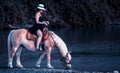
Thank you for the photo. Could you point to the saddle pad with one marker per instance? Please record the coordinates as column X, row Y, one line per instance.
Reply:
column 31, row 36
column 45, row 34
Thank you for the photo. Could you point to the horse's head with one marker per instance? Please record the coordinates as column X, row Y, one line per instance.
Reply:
column 62, row 48
column 66, row 61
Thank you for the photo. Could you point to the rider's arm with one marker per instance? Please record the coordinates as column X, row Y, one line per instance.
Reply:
column 37, row 16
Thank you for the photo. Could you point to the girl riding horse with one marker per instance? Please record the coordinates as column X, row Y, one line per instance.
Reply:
column 39, row 25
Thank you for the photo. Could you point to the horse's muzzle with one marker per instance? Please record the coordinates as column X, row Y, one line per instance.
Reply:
column 68, row 66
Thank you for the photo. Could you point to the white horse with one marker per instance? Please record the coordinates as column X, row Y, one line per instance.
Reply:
column 17, row 39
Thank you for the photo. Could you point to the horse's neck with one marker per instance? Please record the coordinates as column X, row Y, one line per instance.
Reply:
column 61, row 46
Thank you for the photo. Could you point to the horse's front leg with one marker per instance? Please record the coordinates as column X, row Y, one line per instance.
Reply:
column 40, row 59
column 48, row 50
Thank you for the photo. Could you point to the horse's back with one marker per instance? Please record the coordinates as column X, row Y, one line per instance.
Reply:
column 19, row 32
column 17, row 35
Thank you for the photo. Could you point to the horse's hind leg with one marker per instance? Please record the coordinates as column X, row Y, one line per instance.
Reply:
column 11, row 49
column 11, row 53
column 18, row 53
column 40, row 59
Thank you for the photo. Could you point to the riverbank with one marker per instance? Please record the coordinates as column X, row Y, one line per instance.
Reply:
column 36, row 70
column 45, row 70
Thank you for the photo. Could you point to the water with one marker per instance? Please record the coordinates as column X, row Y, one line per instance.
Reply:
column 92, row 50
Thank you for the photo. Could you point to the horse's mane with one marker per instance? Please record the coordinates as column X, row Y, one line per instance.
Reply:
column 60, row 44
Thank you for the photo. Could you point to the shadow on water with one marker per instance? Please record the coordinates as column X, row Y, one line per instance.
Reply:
column 92, row 49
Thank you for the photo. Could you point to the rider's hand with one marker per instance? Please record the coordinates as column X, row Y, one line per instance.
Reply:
column 45, row 22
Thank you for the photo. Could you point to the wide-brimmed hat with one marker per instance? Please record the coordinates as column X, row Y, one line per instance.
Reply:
column 41, row 7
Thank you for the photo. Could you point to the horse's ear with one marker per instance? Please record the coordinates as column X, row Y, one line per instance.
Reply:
column 68, row 53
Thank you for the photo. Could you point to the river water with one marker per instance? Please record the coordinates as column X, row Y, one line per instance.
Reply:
column 92, row 50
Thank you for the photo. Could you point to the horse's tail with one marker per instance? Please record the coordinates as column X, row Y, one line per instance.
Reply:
column 9, row 42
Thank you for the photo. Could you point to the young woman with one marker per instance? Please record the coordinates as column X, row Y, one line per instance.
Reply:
column 39, row 25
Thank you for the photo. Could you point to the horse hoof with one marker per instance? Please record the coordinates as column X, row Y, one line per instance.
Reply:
column 50, row 67
column 19, row 66
column 38, row 65
column 10, row 66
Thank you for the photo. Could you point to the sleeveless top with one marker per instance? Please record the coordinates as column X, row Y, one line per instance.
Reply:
column 36, row 26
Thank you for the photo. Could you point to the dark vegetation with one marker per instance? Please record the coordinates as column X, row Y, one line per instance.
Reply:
column 61, row 13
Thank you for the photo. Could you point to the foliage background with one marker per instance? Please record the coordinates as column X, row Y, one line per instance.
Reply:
column 61, row 13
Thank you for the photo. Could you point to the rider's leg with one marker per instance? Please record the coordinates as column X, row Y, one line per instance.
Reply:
column 39, row 34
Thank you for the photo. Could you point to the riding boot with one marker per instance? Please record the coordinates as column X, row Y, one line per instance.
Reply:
column 42, row 47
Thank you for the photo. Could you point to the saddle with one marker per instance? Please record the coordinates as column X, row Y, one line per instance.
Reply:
column 31, row 36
